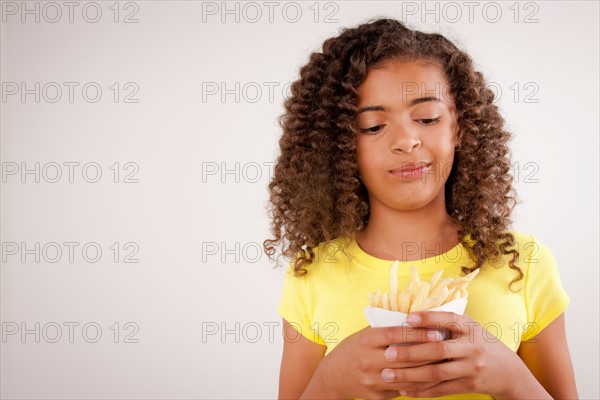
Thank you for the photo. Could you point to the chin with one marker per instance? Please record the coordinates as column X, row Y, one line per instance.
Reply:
column 408, row 205
column 415, row 201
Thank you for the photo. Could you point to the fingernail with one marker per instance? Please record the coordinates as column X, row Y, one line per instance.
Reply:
column 433, row 335
column 390, row 354
column 403, row 392
column 413, row 318
column 388, row 375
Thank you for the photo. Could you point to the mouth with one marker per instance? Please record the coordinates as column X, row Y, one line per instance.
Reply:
column 413, row 171
column 409, row 168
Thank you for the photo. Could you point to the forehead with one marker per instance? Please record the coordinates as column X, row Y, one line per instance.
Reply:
column 411, row 79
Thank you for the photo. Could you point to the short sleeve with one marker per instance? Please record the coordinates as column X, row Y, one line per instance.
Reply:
column 295, row 305
column 544, row 295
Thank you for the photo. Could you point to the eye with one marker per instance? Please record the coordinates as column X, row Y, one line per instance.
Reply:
column 373, row 129
column 429, row 121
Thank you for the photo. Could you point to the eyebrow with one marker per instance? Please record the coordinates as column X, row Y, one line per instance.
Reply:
column 412, row 103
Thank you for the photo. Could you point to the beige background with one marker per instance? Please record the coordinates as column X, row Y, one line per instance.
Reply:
column 193, row 227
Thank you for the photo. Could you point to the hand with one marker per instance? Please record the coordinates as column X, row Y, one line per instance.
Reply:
column 354, row 367
column 472, row 361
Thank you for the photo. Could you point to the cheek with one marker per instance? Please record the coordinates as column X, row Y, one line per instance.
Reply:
column 446, row 148
column 369, row 161
column 444, row 139
column 362, row 154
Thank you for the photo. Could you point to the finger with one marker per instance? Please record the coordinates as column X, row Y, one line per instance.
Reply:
column 441, row 320
column 438, row 390
column 433, row 351
column 382, row 337
column 408, row 364
column 409, row 386
column 439, row 372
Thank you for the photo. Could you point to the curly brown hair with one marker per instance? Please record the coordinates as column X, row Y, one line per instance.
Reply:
column 316, row 192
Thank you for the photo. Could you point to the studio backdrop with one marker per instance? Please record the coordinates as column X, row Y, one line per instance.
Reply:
column 137, row 142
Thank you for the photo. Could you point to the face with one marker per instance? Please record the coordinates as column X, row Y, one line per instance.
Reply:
column 408, row 131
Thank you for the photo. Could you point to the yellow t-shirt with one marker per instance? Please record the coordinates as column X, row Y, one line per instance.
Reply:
column 326, row 305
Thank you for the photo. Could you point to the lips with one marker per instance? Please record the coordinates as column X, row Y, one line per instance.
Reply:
column 410, row 167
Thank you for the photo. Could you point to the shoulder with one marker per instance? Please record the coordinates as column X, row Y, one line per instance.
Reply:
column 329, row 258
column 328, row 255
column 534, row 258
column 531, row 249
column 522, row 239
column 542, row 275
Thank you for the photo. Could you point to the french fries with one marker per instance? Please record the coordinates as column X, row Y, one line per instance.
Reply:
column 419, row 295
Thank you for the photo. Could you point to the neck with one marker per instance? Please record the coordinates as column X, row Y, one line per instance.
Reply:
column 409, row 235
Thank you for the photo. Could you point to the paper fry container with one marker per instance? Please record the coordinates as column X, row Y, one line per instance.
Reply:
column 380, row 317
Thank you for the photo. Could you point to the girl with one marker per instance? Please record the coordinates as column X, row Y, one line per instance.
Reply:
column 392, row 149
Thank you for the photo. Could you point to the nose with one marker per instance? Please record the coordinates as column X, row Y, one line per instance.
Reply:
column 405, row 139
